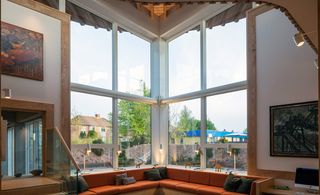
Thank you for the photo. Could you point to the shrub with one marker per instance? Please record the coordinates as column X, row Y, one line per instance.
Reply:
column 92, row 134
column 97, row 151
column 83, row 135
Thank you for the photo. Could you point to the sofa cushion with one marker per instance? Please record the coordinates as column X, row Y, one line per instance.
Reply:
column 170, row 183
column 101, row 179
column 163, row 172
column 245, row 186
column 128, row 180
column 152, row 175
column 199, row 177
column 106, row 190
column 139, row 186
column 210, row 190
column 119, row 178
column 82, row 184
column 87, row 193
column 232, row 183
column 138, row 174
column 178, row 174
column 189, row 187
column 217, row 179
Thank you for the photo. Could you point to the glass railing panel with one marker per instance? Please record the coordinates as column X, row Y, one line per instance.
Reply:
column 59, row 162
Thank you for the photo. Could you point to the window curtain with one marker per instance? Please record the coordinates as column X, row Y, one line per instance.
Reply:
column 232, row 14
column 80, row 15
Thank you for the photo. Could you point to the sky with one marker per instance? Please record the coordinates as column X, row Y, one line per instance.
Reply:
column 91, row 64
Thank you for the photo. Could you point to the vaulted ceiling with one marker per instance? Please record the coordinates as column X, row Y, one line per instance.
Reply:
column 136, row 14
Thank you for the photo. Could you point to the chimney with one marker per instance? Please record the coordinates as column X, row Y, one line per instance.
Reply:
column 97, row 115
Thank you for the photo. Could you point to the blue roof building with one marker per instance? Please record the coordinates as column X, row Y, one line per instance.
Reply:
column 216, row 135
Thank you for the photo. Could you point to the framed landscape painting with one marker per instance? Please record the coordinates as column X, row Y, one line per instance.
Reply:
column 21, row 52
column 294, row 130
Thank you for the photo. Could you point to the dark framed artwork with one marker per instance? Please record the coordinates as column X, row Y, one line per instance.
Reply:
column 294, row 130
column 21, row 52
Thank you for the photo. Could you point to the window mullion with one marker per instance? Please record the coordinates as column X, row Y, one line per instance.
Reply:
column 115, row 88
column 203, row 87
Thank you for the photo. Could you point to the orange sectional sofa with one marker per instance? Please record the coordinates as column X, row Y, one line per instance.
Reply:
column 180, row 181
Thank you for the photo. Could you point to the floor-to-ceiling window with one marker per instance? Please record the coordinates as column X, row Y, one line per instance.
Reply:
column 91, row 126
column 226, row 146
column 206, row 95
column 106, row 119
column 216, row 126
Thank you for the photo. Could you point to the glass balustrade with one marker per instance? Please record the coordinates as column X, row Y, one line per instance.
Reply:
column 59, row 162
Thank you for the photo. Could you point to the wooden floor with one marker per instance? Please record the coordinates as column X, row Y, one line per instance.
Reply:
column 30, row 185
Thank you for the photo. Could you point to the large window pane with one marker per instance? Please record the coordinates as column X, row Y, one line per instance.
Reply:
column 227, row 131
column 184, row 133
column 91, row 131
column 184, row 63
column 226, row 54
column 91, row 56
column 133, row 64
column 134, row 133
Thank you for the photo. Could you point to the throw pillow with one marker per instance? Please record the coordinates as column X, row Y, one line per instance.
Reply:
column 82, row 184
column 245, row 185
column 128, row 180
column 69, row 183
column 163, row 172
column 232, row 183
column 152, row 175
column 120, row 177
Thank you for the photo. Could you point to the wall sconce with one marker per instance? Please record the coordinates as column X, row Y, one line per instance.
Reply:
column 7, row 93
column 88, row 150
column 119, row 150
column 160, row 148
column 298, row 38
column 198, row 149
column 229, row 149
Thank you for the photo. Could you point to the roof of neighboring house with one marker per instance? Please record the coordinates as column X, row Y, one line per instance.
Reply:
column 90, row 121
column 216, row 133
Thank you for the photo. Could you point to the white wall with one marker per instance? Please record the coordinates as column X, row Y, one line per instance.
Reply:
column 285, row 74
column 48, row 90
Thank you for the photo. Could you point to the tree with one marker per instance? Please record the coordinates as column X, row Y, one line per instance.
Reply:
column 210, row 124
column 97, row 151
column 187, row 122
column 83, row 135
column 134, row 119
column 245, row 130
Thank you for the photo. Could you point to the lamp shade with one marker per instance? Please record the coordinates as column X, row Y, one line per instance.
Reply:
column 298, row 39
